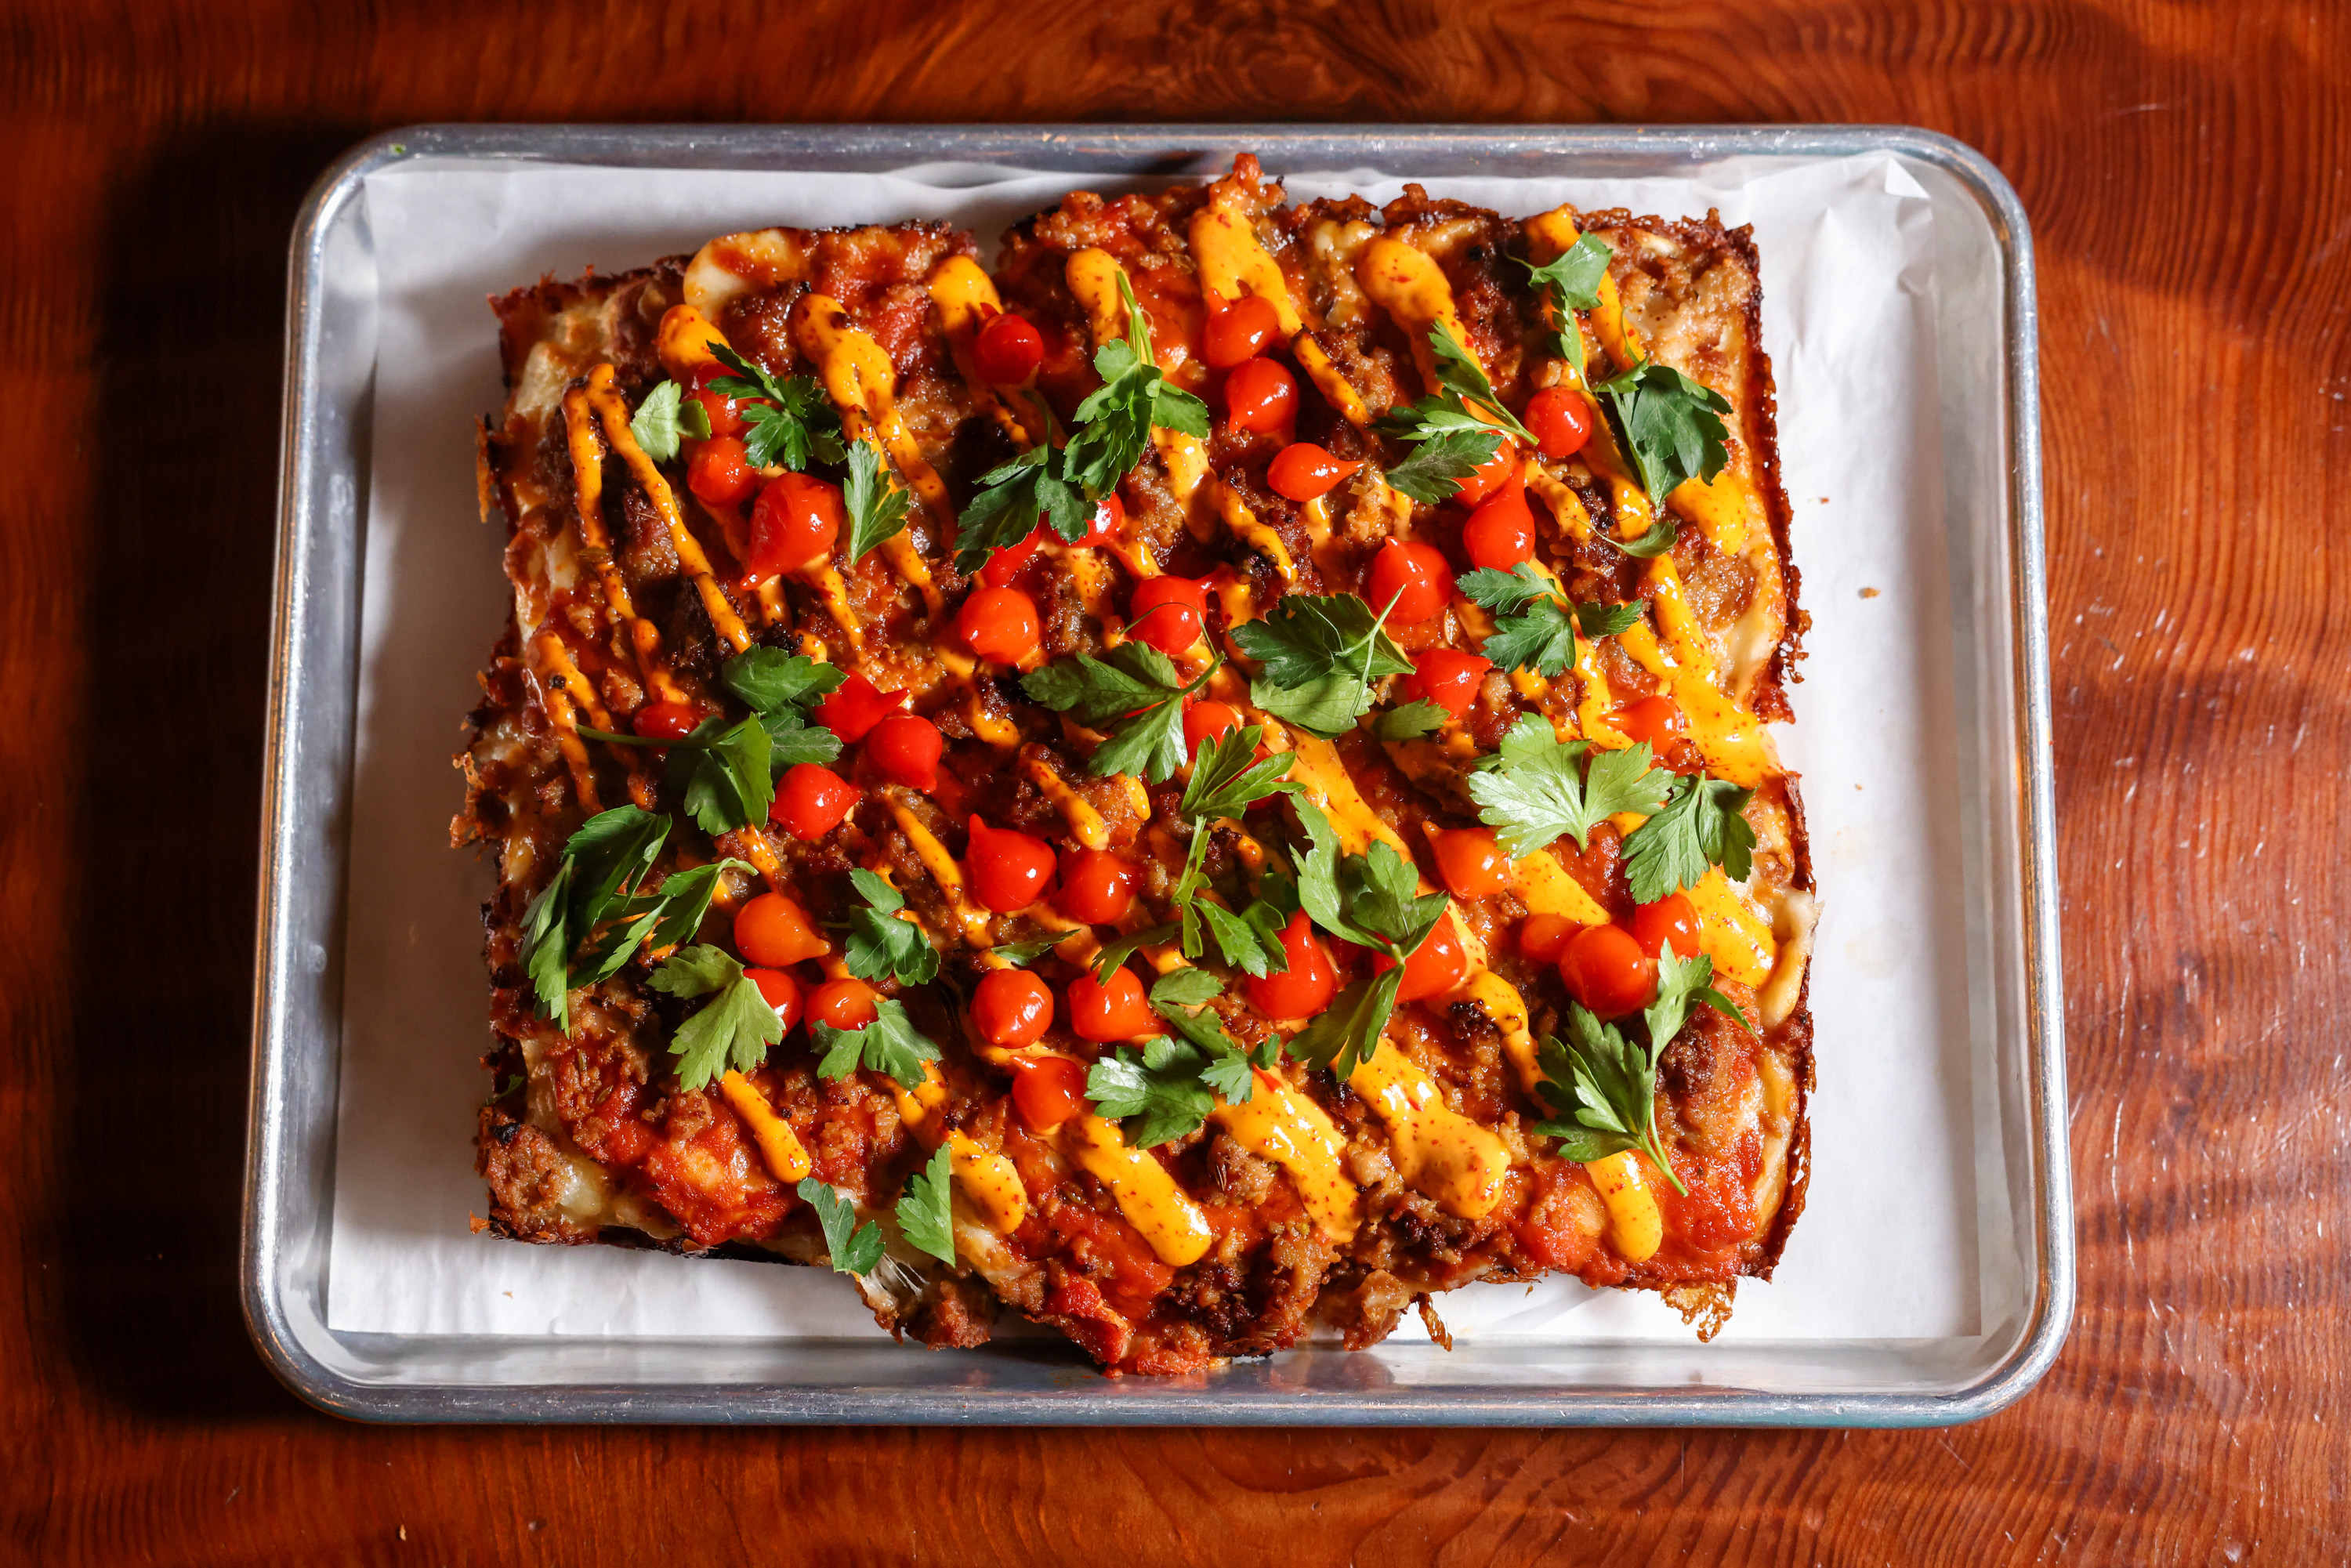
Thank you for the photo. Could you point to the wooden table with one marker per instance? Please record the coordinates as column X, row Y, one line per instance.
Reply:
column 2184, row 167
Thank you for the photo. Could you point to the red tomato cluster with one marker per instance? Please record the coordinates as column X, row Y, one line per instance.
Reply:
column 1608, row 969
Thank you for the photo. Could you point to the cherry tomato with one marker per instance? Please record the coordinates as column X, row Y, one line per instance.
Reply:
column 1491, row 475
column 1673, row 918
column 1206, row 720
column 1302, row 471
column 1007, row 870
column 1007, row 351
column 812, row 801
column 780, row 991
column 1047, row 1090
column 1006, row 564
column 1434, row 968
column 1501, row 532
column 720, row 472
column 1545, row 937
column 1259, row 395
column 1561, row 421
column 1410, row 575
column 842, row 1004
column 724, row 413
column 665, row 721
column 852, row 708
column 1305, row 988
column 904, row 748
column 793, row 524
column 1654, row 719
column 1446, row 676
column 1010, row 1008
column 773, row 932
column 999, row 624
column 1166, row 612
column 1240, row 331
column 1472, row 864
column 1605, row 970
column 1103, row 1013
column 1109, row 515
column 1097, row 887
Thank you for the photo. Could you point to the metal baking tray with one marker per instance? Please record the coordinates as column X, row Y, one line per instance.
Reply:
column 1986, row 342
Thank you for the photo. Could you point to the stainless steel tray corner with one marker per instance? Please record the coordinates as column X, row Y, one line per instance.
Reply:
column 2000, row 620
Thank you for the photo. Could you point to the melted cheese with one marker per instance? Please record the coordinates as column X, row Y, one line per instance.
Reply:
column 992, row 1182
column 738, row 264
column 1280, row 1124
column 1147, row 1194
column 788, row 1161
column 1438, row 1151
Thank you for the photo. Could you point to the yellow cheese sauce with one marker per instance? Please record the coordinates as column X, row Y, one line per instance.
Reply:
column 990, row 1181
column 613, row 409
column 858, row 377
column 779, row 1146
column 1439, row 1151
column 1170, row 1222
column 1278, row 1124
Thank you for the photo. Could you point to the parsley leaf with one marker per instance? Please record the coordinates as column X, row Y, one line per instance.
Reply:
column 792, row 740
column 835, row 1215
column 890, row 1045
column 1180, row 997
column 1119, row 949
column 1670, row 424
column 1115, row 420
column 926, row 1208
column 1433, row 471
column 1411, row 721
column 606, row 856
column 793, row 425
column 1598, row 621
column 1545, row 787
column 1020, row 955
column 1157, row 1093
column 1505, row 593
column 1682, row 982
column 1228, row 777
column 1605, row 1090
column 1452, row 431
column 1655, row 541
column 876, row 502
column 721, row 769
column 1013, row 498
column 1136, row 685
column 770, row 678
column 1542, row 640
column 1347, row 1033
column 664, row 417
column 1699, row 825
column 1319, row 654
column 1380, row 890
column 881, row 944
column 1570, row 282
column 733, row 1030
column 1458, row 372
column 1185, row 989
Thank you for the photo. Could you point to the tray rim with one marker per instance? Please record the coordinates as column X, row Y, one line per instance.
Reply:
column 879, row 146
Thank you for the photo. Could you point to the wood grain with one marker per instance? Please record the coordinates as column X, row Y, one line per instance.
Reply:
column 2185, row 169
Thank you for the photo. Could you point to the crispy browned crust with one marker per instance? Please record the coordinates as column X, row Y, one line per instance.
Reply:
column 588, row 1137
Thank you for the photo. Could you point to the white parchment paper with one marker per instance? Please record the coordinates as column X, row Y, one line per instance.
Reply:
column 1886, row 1248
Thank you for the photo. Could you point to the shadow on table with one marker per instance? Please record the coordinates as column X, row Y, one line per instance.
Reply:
column 190, row 345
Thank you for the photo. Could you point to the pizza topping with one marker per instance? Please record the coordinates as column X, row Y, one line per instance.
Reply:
column 1166, row 612
column 1103, row 1010
column 1261, row 396
column 1302, row 471
column 1446, row 678
column 841, row 1005
column 881, row 944
column 1007, row 869
column 1239, row 332
column 853, row 1249
column 1011, row 1008
column 1501, row 532
column 1699, row 825
column 773, row 932
column 812, row 801
column 720, row 473
column 794, row 524
column 1135, row 690
column 1561, row 421
column 1007, row 351
column 998, row 624
column 887, row 1042
column 1604, row 968
column 1541, row 788
column 905, row 748
column 1048, row 1090
column 1409, row 580
column 1460, row 430
column 1319, row 654
column 1097, row 887
column 926, row 1212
